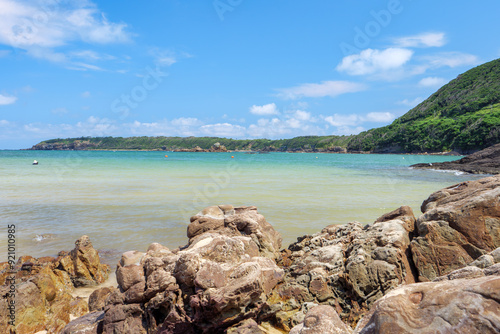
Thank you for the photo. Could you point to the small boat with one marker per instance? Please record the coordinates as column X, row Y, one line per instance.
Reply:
column 35, row 162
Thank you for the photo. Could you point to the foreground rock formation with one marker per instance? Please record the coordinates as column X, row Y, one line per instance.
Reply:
column 460, row 223
column 486, row 161
column 44, row 288
column 400, row 274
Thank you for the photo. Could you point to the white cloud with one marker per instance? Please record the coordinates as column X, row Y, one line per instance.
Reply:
column 40, row 26
column 86, row 95
column 5, row 100
column 4, row 122
column 432, row 82
column 343, row 120
column 325, row 88
column 223, row 130
column 353, row 120
column 372, row 61
column 451, row 59
column 379, row 117
column 25, row 24
column 411, row 103
column 424, row 40
column 265, row 110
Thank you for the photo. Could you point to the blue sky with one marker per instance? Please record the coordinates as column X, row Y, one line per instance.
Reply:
column 230, row 68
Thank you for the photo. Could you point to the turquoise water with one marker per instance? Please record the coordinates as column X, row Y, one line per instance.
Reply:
column 127, row 200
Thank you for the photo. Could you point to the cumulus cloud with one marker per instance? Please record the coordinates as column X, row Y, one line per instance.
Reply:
column 86, row 95
column 5, row 100
column 223, row 130
column 451, row 59
column 265, row 110
column 40, row 26
column 351, row 120
column 41, row 23
column 372, row 61
column 430, row 39
column 323, row 89
column 432, row 82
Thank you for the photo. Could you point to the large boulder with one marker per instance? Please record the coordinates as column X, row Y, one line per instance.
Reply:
column 83, row 264
column 460, row 224
column 448, row 306
column 239, row 221
column 348, row 266
column 44, row 287
column 221, row 278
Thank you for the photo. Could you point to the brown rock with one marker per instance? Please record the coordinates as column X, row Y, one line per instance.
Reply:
column 129, row 270
column 88, row 324
column 460, row 223
column 83, row 264
column 349, row 266
column 240, row 221
column 124, row 319
column 456, row 306
column 97, row 300
column 322, row 319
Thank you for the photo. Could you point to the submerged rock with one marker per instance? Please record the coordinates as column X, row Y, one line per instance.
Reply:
column 486, row 161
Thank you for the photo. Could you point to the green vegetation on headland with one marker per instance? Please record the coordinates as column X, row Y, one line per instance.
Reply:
column 462, row 116
column 312, row 143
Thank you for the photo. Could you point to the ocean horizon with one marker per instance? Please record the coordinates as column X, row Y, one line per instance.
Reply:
column 126, row 200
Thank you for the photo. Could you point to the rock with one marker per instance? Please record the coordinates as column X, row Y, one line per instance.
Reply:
column 322, row 319
column 460, row 224
column 97, row 299
column 44, row 288
column 83, row 264
column 456, row 306
column 129, row 270
column 248, row 326
column 222, row 278
column 486, row 161
column 124, row 319
column 348, row 266
column 88, row 324
column 240, row 221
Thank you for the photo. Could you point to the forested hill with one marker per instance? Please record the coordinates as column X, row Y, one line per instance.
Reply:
column 464, row 115
column 307, row 143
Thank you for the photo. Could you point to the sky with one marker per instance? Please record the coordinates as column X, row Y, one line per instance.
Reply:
column 229, row 68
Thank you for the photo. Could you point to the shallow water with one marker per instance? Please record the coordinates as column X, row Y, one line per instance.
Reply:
column 127, row 200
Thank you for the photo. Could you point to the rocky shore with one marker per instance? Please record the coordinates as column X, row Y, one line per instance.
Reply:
column 486, row 161
column 439, row 272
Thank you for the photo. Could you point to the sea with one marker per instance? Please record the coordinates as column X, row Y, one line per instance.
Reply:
column 126, row 200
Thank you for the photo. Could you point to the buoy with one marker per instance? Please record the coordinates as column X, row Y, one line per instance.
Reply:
column 232, row 157
column 166, row 156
